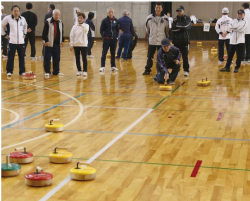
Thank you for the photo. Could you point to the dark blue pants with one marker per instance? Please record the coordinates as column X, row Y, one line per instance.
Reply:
column 90, row 44
column 105, row 47
column 239, row 49
column 151, row 53
column 159, row 77
column 184, row 53
column 11, row 56
column 124, row 42
column 5, row 45
column 221, row 48
column 55, row 52
column 31, row 36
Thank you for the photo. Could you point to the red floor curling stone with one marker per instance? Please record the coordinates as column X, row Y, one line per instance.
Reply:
column 38, row 178
column 10, row 169
column 21, row 157
column 29, row 76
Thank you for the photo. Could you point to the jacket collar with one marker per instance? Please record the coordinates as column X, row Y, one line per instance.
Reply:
column 52, row 20
column 162, row 14
column 14, row 17
column 181, row 16
column 110, row 18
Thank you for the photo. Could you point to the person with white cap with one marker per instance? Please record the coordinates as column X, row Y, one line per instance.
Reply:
column 222, row 28
column 168, row 57
column 237, row 41
column 4, row 40
column 245, row 7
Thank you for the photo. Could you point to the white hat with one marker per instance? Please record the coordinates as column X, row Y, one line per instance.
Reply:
column 225, row 10
column 2, row 7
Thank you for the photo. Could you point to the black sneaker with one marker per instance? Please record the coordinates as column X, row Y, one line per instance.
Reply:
column 236, row 70
column 225, row 69
column 146, row 73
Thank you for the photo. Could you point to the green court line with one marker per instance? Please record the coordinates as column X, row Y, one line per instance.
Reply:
column 34, row 90
column 148, row 163
column 20, row 87
column 165, row 97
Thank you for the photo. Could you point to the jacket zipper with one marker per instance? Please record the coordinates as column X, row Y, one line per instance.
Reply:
column 111, row 30
column 17, row 32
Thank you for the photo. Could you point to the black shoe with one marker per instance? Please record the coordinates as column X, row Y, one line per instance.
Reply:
column 146, row 73
column 225, row 69
column 236, row 70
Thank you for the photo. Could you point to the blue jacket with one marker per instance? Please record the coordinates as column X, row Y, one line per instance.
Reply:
column 109, row 28
column 91, row 26
column 126, row 25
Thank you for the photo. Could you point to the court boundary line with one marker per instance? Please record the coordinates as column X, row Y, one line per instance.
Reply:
column 17, row 116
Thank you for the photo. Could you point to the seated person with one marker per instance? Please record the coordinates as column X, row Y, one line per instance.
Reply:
column 168, row 57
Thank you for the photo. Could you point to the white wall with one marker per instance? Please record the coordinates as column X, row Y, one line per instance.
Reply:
column 138, row 12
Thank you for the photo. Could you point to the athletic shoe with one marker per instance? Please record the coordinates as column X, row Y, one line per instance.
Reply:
column 47, row 75
column 84, row 73
column 4, row 56
column 79, row 73
column 60, row 74
column 186, row 74
column 33, row 58
column 236, row 70
column 9, row 74
column 243, row 62
column 146, row 73
column 220, row 62
column 225, row 69
column 23, row 74
column 40, row 58
column 90, row 56
column 114, row 69
column 179, row 73
column 171, row 83
column 102, row 69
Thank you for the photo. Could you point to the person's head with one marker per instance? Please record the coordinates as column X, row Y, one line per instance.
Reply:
column 110, row 12
column 91, row 15
column 245, row 6
column 15, row 11
column 81, row 18
column 29, row 6
column 180, row 11
column 125, row 13
column 2, row 8
column 168, row 14
column 158, row 8
column 225, row 11
column 165, row 44
column 56, row 14
column 240, row 14
column 51, row 7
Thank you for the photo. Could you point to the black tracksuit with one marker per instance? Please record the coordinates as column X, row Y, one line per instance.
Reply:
column 181, row 37
column 132, row 46
column 31, row 20
column 109, row 31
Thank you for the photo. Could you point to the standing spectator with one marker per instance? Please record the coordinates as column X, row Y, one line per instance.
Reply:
column 91, row 33
column 109, row 31
column 126, row 31
column 4, row 40
column 47, row 15
column 222, row 28
column 170, row 19
column 157, row 27
column 53, row 37
column 79, row 42
column 237, row 41
column 31, row 20
column 168, row 57
column 18, row 30
column 181, row 36
column 245, row 7
column 132, row 45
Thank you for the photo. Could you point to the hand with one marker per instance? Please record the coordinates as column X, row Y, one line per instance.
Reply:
column 71, row 49
column 133, row 38
column 62, row 44
column 166, row 76
column 7, row 37
column 29, row 30
column 47, row 44
column 177, row 61
column 121, row 31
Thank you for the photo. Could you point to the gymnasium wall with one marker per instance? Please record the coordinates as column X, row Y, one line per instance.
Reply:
column 138, row 12
column 207, row 10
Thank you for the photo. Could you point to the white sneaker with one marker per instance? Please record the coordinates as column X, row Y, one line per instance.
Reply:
column 114, row 69
column 4, row 56
column 51, row 60
column 33, row 58
column 186, row 74
column 171, row 83
column 102, row 69
column 40, row 58
column 90, row 56
column 179, row 73
column 23, row 74
column 243, row 62
column 220, row 62
column 9, row 74
column 78, row 73
column 46, row 75
column 84, row 73
column 60, row 74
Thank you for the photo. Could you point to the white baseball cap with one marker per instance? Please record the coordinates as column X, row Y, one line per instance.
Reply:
column 225, row 10
column 2, row 7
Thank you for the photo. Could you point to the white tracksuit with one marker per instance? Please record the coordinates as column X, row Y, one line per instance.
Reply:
column 222, row 26
column 238, row 31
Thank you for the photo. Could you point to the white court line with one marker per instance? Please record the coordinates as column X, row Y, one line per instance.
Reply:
column 69, row 123
column 16, row 114
column 129, row 108
column 66, row 180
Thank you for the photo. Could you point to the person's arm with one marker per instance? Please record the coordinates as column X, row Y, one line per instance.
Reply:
column 217, row 27
column 132, row 29
column 167, row 28
column 185, row 26
column 45, row 32
column 102, row 29
column 25, row 26
column 148, row 21
column 91, row 25
column 160, row 61
column 241, row 27
column 174, row 27
column 117, row 28
column 62, row 34
column 4, row 23
column 45, row 18
column 35, row 21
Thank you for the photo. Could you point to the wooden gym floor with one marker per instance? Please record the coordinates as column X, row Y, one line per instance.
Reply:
column 158, row 136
